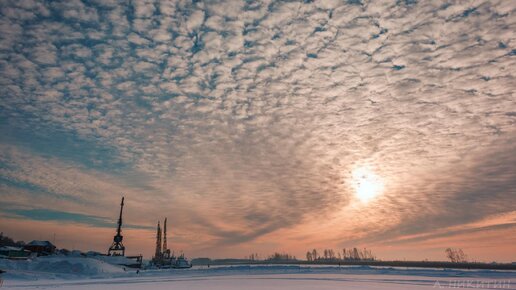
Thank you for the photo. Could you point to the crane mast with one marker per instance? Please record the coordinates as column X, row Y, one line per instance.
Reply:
column 117, row 247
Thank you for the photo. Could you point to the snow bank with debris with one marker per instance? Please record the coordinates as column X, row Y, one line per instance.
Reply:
column 57, row 267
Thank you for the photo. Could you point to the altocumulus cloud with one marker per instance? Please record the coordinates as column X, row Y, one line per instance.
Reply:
column 242, row 118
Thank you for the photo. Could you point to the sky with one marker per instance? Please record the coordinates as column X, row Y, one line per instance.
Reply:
column 261, row 126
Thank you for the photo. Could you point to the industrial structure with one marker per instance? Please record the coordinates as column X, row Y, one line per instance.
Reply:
column 116, row 252
column 118, row 248
column 165, row 252
column 163, row 257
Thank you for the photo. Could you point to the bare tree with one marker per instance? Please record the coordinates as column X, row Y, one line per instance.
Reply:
column 309, row 256
column 356, row 255
column 456, row 255
column 331, row 254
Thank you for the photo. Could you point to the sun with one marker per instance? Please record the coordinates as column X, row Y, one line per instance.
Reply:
column 367, row 184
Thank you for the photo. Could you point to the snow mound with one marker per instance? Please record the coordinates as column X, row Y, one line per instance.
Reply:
column 58, row 267
column 75, row 265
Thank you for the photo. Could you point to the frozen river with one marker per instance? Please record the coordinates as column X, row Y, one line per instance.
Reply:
column 90, row 274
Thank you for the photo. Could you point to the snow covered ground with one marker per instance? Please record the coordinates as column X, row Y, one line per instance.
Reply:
column 91, row 274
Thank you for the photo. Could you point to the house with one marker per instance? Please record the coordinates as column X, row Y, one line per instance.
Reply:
column 42, row 248
column 8, row 252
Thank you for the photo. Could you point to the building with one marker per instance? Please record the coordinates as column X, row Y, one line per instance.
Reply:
column 42, row 248
column 8, row 252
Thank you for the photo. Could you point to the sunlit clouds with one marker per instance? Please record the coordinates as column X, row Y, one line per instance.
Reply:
column 366, row 184
column 262, row 126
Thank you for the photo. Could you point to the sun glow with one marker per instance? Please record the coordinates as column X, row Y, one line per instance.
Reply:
column 367, row 184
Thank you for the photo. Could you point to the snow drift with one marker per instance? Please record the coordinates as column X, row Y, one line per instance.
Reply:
column 55, row 267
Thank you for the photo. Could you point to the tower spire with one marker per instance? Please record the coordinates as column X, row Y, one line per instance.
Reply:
column 157, row 255
column 119, row 229
column 165, row 236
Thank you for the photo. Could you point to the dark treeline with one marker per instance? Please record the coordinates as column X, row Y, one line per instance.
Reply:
column 6, row 241
column 418, row 264
column 274, row 257
column 352, row 254
column 281, row 257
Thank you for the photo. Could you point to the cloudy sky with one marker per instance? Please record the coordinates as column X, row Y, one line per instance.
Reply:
column 255, row 125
